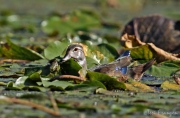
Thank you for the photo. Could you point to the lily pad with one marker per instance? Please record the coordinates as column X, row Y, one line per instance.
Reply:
column 146, row 51
column 138, row 87
column 170, row 86
column 55, row 49
column 56, row 83
column 70, row 23
column 70, row 67
column 164, row 69
column 14, row 51
column 87, row 84
column 91, row 62
column 142, row 53
column 108, row 81
column 108, row 51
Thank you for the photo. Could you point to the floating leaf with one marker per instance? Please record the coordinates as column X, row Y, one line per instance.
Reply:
column 35, row 88
column 164, row 69
column 108, row 51
column 55, row 49
column 3, row 84
column 170, row 86
column 70, row 23
column 11, row 87
column 14, row 51
column 35, row 77
column 56, row 88
column 13, row 70
column 20, row 82
column 45, row 70
column 87, row 84
column 24, row 81
column 56, row 83
column 142, row 52
column 138, row 87
column 146, row 50
column 108, row 81
column 115, row 108
column 91, row 62
column 104, row 91
column 70, row 67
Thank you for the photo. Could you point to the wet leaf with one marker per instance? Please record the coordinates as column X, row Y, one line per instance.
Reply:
column 56, row 88
column 70, row 23
column 146, row 50
column 170, row 86
column 103, row 91
column 20, row 82
column 14, row 51
column 24, row 81
column 108, row 81
column 35, row 95
column 142, row 52
column 91, row 62
column 164, row 69
column 35, row 88
column 70, row 67
column 108, row 51
column 35, row 77
column 87, row 85
column 115, row 108
column 56, row 83
column 55, row 49
column 10, row 86
column 45, row 70
column 138, row 87
column 13, row 70
column 3, row 84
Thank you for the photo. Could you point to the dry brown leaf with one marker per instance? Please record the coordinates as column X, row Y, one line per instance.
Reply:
column 131, row 41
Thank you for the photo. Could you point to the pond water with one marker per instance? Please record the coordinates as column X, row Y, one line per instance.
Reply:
column 123, row 11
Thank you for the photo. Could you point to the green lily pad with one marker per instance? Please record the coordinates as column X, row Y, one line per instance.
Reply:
column 20, row 82
column 35, row 77
column 45, row 70
column 11, row 87
column 35, row 88
column 55, row 49
column 109, row 82
column 56, row 83
column 24, row 81
column 11, row 70
column 14, row 51
column 91, row 62
column 142, row 52
column 164, row 69
column 87, row 84
column 70, row 23
column 108, row 51
column 70, row 67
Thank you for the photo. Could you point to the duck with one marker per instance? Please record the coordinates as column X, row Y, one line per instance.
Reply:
column 76, row 52
column 120, row 67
